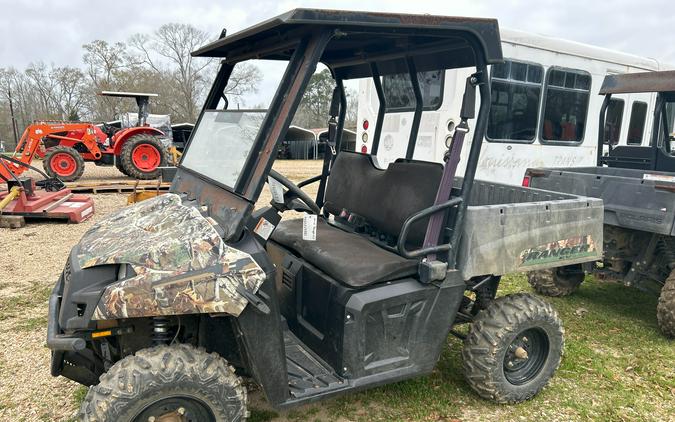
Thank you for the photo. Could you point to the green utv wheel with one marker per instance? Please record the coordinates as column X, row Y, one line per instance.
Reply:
column 556, row 282
column 665, row 310
column 176, row 382
column 513, row 348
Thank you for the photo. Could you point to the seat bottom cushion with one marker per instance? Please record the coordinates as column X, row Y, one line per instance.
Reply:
column 349, row 258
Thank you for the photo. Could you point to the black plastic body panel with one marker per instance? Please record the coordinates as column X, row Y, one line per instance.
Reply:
column 640, row 158
column 630, row 200
column 261, row 335
column 82, row 292
column 369, row 335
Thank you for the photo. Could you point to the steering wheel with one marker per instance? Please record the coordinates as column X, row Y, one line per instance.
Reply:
column 294, row 192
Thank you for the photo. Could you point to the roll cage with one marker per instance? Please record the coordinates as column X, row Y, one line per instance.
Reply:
column 351, row 45
column 658, row 155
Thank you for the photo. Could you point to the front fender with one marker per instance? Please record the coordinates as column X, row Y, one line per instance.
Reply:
column 120, row 137
column 180, row 264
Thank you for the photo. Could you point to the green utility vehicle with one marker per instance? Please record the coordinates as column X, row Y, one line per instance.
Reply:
column 637, row 185
column 165, row 306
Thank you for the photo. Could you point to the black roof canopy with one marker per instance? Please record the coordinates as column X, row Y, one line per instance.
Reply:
column 627, row 83
column 435, row 42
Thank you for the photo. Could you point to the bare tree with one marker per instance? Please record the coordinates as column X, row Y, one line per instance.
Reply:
column 169, row 48
column 168, row 52
column 73, row 91
column 244, row 79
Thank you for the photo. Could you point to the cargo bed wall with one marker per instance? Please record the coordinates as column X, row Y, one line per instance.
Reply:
column 635, row 199
column 510, row 228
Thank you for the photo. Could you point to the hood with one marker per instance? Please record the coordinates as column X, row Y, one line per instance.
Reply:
column 180, row 262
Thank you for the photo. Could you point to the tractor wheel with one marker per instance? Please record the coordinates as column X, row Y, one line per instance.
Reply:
column 64, row 163
column 120, row 167
column 556, row 282
column 513, row 348
column 169, row 383
column 142, row 155
column 665, row 310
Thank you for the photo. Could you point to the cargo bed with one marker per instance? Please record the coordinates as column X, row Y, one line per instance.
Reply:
column 634, row 199
column 511, row 228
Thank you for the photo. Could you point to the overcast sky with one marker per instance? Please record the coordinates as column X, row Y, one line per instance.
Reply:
column 54, row 31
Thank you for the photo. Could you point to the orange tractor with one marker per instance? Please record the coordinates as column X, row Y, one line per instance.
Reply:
column 136, row 151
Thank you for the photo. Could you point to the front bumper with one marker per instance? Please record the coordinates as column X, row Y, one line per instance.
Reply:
column 56, row 340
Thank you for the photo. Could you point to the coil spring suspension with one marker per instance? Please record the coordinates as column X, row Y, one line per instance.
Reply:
column 160, row 331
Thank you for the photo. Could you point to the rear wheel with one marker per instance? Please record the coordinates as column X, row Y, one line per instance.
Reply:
column 513, row 348
column 172, row 383
column 120, row 167
column 561, row 281
column 142, row 155
column 64, row 163
column 665, row 310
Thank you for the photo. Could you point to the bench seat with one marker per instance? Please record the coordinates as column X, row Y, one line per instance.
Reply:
column 349, row 258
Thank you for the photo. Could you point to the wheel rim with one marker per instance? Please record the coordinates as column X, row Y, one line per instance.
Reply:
column 63, row 164
column 176, row 409
column 146, row 157
column 526, row 355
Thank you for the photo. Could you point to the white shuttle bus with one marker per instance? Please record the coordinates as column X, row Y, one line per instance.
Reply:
column 544, row 112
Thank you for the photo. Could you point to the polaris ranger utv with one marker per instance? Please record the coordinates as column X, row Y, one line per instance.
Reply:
column 637, row 185
column 163, row 307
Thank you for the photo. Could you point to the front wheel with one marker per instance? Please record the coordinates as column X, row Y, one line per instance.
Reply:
column 64, row 163
column 513, row 348
column 161, row 383
column 556, row 282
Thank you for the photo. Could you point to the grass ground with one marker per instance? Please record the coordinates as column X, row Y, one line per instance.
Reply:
column 617, row 366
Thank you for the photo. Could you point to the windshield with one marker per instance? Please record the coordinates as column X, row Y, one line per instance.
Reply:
column 222, row 142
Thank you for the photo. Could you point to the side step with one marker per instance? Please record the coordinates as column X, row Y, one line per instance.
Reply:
column 307, row 375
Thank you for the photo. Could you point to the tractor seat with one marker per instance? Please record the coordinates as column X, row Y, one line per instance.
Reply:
column 382, row 200
column 349, row 258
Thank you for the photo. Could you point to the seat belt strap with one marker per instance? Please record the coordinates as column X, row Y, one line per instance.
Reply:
column 452, row 158
column 329, row 152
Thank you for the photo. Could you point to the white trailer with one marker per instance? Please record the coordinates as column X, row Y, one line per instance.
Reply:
column 544, row 112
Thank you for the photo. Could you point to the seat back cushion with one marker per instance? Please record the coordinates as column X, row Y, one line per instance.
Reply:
column 384, row 198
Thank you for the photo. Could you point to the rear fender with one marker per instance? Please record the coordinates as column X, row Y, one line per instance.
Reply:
column 123, row 135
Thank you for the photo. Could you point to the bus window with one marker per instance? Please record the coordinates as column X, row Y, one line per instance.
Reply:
column 636, row 126
column 566, row 105
column 613, row 121
column 514, row 109
column 398, row 91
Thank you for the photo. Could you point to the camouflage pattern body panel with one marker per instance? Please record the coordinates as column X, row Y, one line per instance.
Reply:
column 181, row 264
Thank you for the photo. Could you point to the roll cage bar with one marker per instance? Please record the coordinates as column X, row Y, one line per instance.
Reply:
column 351, row 45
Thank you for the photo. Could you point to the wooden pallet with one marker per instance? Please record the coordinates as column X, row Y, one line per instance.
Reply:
column 118, row 187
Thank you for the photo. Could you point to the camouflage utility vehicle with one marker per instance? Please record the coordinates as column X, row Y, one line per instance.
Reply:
column 637, row 184
column 165, row 306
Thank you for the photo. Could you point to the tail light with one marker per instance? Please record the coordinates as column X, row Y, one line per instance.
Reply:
column 365, row 124
column 526, row 181
column 364, row 149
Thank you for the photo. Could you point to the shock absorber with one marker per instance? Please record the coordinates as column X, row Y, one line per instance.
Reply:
column 160, row 331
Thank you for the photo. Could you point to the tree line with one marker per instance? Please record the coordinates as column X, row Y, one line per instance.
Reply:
column 157, row 62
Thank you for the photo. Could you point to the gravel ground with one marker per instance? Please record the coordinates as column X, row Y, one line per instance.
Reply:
column 31, row 261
